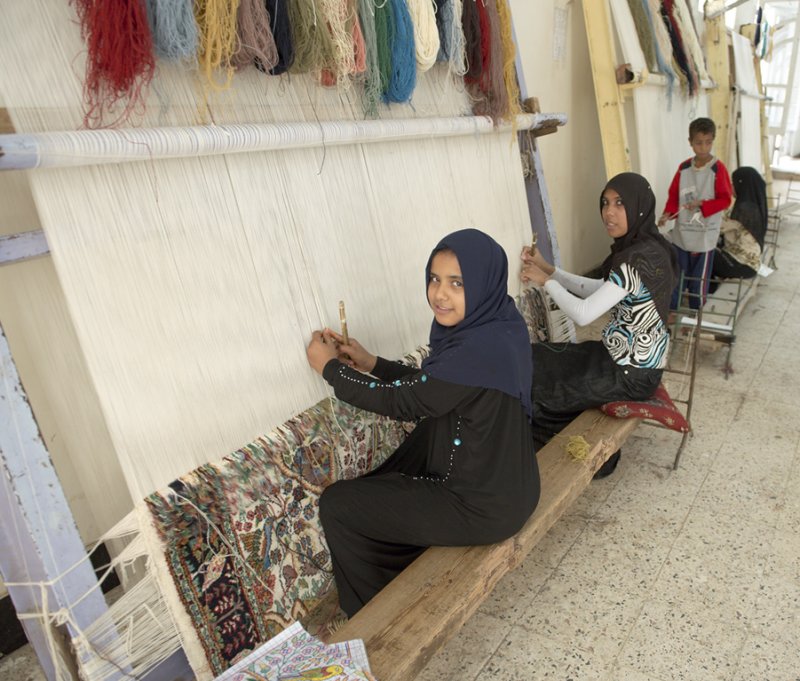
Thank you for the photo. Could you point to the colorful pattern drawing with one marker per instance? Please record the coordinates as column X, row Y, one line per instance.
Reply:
column 241, row 536
column 294, row 655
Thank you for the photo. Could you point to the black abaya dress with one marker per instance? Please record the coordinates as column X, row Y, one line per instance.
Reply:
column 466, row 475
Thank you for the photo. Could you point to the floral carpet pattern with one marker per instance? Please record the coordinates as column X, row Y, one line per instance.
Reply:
column 242, row 537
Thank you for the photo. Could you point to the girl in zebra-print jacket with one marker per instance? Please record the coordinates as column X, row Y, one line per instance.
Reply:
column 638, row 279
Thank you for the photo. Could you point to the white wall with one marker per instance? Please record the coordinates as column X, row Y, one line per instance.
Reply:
column 51, row 366
column 573, row 157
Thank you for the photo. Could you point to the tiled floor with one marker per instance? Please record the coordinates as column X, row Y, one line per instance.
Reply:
column 657, row 575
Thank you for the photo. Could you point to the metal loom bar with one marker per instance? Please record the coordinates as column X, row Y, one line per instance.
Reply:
column 96, row 147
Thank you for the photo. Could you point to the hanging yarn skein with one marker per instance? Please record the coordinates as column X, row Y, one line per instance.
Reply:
column 509, row 57
column 312, row 41
column 256, row 43
column 683, row 15
column 403, row 78
column 444, row 16
column 359, row 44
column 426, row 33
column 679, row 50
column 644, row 31
column 491, row 99
column 347, row 41
column 372, row 75
column 173, row 28
column 281, row 30
column 216, row 22
column 120, row 61
column 337, row 18
column 486, row 44
column 384, row 35
column 471, row 23
column 451, row 35
column 663, row 46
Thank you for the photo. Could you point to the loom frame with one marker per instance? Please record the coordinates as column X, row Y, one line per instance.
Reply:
column 50, row 550
column 30, row 491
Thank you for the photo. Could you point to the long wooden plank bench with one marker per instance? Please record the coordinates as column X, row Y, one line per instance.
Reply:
column 420, row 610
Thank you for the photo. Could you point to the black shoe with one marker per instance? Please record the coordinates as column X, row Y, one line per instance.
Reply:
column 609, row 466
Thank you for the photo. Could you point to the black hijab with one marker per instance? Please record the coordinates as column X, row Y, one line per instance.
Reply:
column 750, row 207
column 642, row 246
column 490, row 347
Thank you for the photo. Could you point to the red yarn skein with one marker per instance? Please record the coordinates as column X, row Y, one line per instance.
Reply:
column 120, row 61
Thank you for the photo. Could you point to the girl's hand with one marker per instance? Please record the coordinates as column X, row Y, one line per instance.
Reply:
column 534, row 257
column 319, row 351
column 530, row 272
column 353, row 354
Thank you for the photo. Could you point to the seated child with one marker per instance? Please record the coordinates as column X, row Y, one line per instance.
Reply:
column 638, row 278
column 738, row 252
column 467, row 474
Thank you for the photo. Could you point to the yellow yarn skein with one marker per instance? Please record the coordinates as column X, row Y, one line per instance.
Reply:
column 217, row 39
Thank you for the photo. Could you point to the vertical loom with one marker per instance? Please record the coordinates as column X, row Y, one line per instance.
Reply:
column 41, row 151
column 142, row 185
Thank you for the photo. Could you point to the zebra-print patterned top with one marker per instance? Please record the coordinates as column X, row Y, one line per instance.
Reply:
column 636, row 335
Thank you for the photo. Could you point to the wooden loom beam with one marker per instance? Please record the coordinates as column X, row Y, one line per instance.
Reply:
column 39, row 541
column 719, row 68
column 610, row 109
column 749, row 31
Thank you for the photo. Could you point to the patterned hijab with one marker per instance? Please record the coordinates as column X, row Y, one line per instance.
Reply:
column 750, row 207
column 490, row 347
column 642, row 246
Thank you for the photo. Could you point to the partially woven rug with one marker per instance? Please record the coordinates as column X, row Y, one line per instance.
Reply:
column 241, row 539
column 241, row 536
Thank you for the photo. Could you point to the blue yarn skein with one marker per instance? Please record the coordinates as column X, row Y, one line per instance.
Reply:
column 173, row 27
column 404, row 60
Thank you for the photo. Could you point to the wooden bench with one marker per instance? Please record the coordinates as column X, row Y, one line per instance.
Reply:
column 423, row 607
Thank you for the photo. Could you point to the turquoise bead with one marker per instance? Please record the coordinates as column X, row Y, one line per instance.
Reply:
column 397, row 382
column 373, row 384
column 457, row 442
column 423, row 378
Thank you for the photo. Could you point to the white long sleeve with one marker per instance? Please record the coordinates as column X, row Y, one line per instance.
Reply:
column 574, row 283
column 586, row 310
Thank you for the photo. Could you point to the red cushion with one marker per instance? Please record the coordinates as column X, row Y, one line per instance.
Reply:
column 659, row 407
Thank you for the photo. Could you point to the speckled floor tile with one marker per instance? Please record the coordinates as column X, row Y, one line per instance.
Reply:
column 777, row 609
column 551, row 548
column 465, row 655
column 770, row 660
column 516, row 590
column 776, row 381
column 594, row 612
column 633, row 556
column 745, row 498
column 629, row 674
column 527, row 656
column 683, row 641
column 789, row 515
column 744, row 456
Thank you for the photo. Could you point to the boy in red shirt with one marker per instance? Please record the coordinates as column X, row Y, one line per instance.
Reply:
column 700, row 192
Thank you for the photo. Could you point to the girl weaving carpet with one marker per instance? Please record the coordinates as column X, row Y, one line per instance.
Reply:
column 743, row 230
column 638, row 278
column 467, row 474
